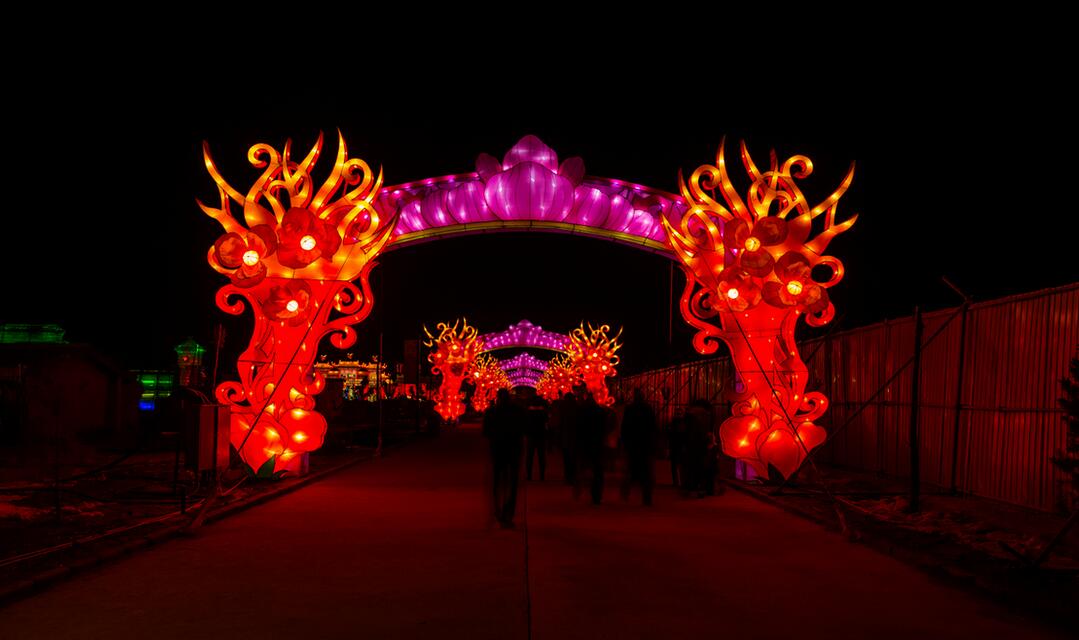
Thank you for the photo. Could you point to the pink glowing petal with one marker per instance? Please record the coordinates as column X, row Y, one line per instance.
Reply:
column 466, row 203
column 433, row 210
column 531, row 149
column 590, row 208
column 573, row 170
column 529, row 191
column 487, row 166
column 619, row 217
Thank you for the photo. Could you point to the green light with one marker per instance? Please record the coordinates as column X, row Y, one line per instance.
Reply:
column 156, row 384
column 31, row 334
column 190, row 348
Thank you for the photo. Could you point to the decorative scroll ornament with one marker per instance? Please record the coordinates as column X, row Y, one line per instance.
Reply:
column 593, row 354
column 488, row 377
column 452, row 357
column 559, row 378
column 292, row 257
column 749, row 263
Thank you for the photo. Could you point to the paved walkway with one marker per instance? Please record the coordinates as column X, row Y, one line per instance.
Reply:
column 404, row 548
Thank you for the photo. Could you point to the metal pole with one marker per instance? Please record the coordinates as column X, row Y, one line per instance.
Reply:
column 378, row 372
column 916, row 370
column 213, row 447
column 959, row 396
column 219, row 337
column 416, row 391
column 670, row 312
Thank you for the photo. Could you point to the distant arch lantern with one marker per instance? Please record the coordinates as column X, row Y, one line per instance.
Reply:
column 293, row 252
column 453, row 356
column 524, row 334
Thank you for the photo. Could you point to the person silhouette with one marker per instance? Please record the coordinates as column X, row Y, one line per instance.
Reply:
column 503, row 426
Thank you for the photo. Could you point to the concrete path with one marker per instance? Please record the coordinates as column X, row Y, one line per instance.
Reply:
column 404, row 548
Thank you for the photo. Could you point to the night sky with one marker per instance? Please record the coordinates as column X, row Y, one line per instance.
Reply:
column 955, row 177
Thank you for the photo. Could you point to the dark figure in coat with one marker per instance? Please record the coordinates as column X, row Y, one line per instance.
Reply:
column 503, row 426
column 536, row 431
column 566, row 408
column 638, row 439
column 700, row 449
column 676, row 448
column 591, row 428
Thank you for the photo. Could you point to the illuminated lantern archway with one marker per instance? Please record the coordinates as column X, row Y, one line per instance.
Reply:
column 593, row 354
column 293, row 259
column 750, row 264
column 452, row 358
column 295, row 255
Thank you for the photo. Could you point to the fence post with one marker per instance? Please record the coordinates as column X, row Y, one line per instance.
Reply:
column 959, row 396
column 915, row 463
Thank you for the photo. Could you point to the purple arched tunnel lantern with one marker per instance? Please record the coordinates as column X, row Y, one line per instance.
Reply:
column 530, row 191
column 524, row 334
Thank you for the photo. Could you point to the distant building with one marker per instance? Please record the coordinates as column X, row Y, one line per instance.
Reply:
column 360, row 379
column 51, row 389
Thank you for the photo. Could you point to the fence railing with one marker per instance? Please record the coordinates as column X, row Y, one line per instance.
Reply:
column 989, row 421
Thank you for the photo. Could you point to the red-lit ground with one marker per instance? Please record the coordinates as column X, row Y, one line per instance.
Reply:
column 404, row 548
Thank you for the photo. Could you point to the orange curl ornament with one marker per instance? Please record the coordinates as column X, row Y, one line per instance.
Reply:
column 292, row 257
column 593, row 355
column 749, row 263
column 488, row 378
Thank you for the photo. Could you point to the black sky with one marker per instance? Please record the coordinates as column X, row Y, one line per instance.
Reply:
column 958, row 175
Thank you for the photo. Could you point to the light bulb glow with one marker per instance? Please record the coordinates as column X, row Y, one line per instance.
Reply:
column 732, row 294
column 794, row 287
column 752, row 244
column 292, row 306
column 307, row 243
column 251, row 258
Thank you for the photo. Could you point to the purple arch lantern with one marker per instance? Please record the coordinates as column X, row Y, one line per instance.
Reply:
column 523, row 369
column 524, row 334
column 523, row 361
column 524, row 377
column 530, row 190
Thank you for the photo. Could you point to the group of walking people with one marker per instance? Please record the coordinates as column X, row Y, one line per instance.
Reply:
column 587, row 434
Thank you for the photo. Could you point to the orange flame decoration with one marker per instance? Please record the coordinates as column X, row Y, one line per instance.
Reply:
column 559, row 378
column 452, row 357
column 593, row 355
column 750, row 264
column 488, row 378
column 293, row 262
